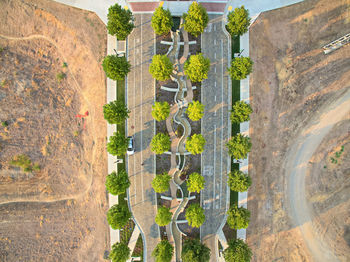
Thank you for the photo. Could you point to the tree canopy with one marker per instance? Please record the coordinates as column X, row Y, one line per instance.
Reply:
column 238, row 21
column 120, row 22
column 160, row 143
column 115, row 112
column 116, row 67
column 239, row 146
column 240, row 112
column 120, row 252
column 240, row 68
column 194, row 251
column 195, row 110
column 163, row 252
column 197, row 67
column 238, row 181
column 117, row 145
column 118, row 216
column 195, row 144
column 237, row 250
column 117, row 184
column 160, row 110
column 161, row 67
column 196, row 19
column 163, row 216
column 195, row 182
column 160, row 183
column 195, row 215
column 238, row 217
column 161, row 21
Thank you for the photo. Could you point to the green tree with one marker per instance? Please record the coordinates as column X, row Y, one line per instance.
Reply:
column 160, row 183
column 195, row 215
column 195, row 144
column 163, row 216
column 238, row 181
column 116, row 67
column 194, row 251
column 195, row 182
column 120, row 22
column 238, row 217
column 163, row 252
column 161, row 67
column 240, row 68
column 239, row 146
column 195, row 110
column 237, row 250
column 238, row 21
column 118, row 216
column 161, row 21
column 196, row 19
column 160, row 143
column 115, row 112
column 117, row 184
column 117, row 145
column 120, row 252
column 240, row 112
column 160, row 110
column 197, row 67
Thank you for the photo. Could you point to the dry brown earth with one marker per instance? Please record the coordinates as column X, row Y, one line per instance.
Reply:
column 57, row 213
column 292, row 85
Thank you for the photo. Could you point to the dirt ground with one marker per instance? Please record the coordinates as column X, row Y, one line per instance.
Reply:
column 292, row 84
column 57, row 213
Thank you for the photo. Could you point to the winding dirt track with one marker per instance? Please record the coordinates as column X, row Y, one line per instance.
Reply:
column 296, row 165
column 78, row 89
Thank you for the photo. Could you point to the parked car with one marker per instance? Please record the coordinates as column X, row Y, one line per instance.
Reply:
column 131, row 146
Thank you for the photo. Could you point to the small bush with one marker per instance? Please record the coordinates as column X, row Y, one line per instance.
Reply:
column 25, row 163
column 4, row 123
column 64, row 65
column 60, row 76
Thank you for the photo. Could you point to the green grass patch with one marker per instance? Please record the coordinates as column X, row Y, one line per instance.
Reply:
column 184, row 188
column 126, row 232
column 24, row 162
column 138, row 251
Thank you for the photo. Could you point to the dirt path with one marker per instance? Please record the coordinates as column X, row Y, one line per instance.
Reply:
column 298, row 157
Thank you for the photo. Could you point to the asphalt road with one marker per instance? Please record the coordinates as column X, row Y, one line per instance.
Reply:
column 140, row 97
column 216, row 97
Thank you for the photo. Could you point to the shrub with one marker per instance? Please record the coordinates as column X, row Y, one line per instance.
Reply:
column 120, row 22
column 163, row 252
column 161, row 21
column 195, row 111
column 195, row 144
column 4, row 123
column 60, row 76
column 238, row 217
column 240, row 68
column 120, row 252
column 239, row 146
column 195, row 215
column 117, row 184
column 197, row 67
column 240, row 112
column 238, row 181
column 24, row 162
column 160, row 110
column 116, row 67
column 117, row 145
column 163, row 216
column 115, row 112
column 161, row 67
column 118, row 216
column 238, row 21
column 196, row 19
column 195, row 182
column 160, row 183
column 194, row 251
column 160, row 143
column 237, row 250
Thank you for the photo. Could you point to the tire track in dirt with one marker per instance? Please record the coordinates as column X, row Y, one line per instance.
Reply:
column 78, row 89
column 295, row 165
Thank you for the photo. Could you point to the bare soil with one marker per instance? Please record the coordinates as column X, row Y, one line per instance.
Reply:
column 293, row 82
column 57, row 213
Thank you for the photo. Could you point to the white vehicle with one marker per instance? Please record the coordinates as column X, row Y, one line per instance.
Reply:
column 131, row 147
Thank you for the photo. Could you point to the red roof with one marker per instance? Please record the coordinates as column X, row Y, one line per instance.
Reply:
column 214, row 7
column 143, row 6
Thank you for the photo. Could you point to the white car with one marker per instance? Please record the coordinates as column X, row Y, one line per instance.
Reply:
column 131, row 147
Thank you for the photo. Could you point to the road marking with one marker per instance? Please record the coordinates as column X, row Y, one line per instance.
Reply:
column 215, row 113
column 215, row 55
column 214, row 41
column 214, row 163
column 215, row 96
column 134, row 160
column 222, row 113
column 215, row 69
column 141, row 125
column 214, row 27
column 215, row 85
